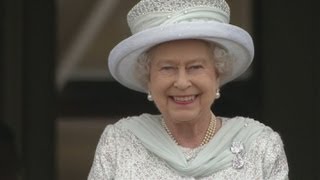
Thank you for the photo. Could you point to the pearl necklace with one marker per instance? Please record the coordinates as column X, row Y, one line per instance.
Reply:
column 208, row 136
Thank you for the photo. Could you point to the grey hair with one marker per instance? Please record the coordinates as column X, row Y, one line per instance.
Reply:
column 222, row 61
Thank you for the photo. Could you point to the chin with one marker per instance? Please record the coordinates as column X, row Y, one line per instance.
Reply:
column 183, row 116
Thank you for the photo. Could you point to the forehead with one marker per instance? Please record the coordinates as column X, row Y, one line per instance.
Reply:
column 192, row 50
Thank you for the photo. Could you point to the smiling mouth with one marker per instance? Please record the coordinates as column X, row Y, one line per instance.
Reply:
column 183, row 99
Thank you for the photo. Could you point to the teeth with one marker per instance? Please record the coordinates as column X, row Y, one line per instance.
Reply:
column 184, row 99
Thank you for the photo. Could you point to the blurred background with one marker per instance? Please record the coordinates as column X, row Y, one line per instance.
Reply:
column 57, row 95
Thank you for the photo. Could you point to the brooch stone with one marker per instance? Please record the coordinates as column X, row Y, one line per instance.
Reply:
column 237, row 149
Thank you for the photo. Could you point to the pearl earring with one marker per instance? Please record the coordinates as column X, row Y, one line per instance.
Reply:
column 218, row 94
column 149, row 97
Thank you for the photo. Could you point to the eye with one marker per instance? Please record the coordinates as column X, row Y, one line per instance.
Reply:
column 166, row 68
column 195, row 67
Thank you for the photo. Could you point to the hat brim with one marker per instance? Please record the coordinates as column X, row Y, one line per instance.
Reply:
column 236, row 41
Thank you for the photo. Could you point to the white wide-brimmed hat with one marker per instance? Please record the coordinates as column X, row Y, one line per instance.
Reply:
column 156, row 21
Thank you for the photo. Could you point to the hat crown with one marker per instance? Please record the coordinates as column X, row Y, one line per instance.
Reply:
column 151, row 13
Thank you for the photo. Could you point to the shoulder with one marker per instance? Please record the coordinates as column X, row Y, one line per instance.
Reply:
column 120, row 128
column 247, row 123
column 266, row 141
column 141, row 117
column 267, row 135
column 260, row 134
column 245, row 120
column 263, row 148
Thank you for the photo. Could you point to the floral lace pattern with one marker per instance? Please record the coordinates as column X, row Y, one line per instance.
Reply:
column 120, row 155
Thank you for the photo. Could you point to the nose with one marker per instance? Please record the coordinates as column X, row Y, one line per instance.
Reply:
column 182, row 80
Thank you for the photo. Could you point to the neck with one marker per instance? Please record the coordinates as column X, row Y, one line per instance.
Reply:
column 189, row 135
column 192, row 134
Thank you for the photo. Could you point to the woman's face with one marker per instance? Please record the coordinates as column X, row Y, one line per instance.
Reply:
column 183, row 80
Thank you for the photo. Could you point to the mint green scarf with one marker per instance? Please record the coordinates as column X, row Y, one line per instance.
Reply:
column 215, row 156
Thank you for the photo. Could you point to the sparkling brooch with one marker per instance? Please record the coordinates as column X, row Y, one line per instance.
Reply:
column 237, row 148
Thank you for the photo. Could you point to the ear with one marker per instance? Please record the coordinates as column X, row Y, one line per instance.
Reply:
column 218, row 81
column 148, row 85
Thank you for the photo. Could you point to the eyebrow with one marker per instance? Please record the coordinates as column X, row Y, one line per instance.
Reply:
column 201, row 60
column 170, row 61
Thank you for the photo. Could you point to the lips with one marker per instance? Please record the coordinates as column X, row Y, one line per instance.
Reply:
column 183, row 99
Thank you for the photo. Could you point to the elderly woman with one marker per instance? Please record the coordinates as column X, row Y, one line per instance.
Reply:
column 180, row 54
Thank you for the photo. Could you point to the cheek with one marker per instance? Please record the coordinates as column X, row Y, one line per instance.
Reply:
column 155, row 86
column 152, row 79
column 208, row 86
column 157, row 80
column 158, row 86
column 214, row 79
column 152, row 83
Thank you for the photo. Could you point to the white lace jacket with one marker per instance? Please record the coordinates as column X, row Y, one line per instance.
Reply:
column 121, row 155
